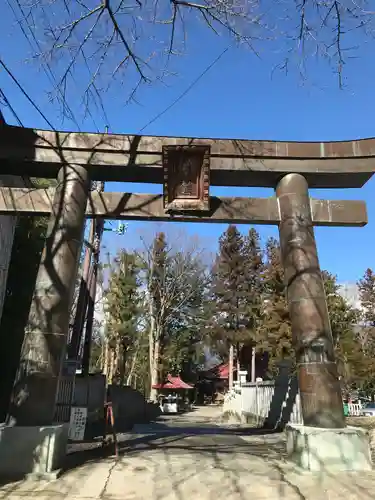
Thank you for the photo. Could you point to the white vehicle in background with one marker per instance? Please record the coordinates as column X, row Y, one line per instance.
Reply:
column 368, row 410
column 169, row 404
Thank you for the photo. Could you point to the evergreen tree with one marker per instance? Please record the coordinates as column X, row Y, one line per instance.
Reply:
column 276, row 327
column 253, row 283
column 123, row 309
column 352, row 366
column 366, row 288
column 156, row 275
column 228, row 292
column 366, row 328
column 253, row 297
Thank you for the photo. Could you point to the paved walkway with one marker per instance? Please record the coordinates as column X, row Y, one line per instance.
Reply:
column 190, row 458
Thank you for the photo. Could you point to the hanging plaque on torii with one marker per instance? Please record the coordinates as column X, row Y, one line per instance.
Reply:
column 186, row 178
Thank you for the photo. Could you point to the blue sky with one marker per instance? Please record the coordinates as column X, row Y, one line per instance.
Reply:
column 238, row 98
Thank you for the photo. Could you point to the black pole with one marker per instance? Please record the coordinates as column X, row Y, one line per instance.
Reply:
column 99, row 226
column 82, row 301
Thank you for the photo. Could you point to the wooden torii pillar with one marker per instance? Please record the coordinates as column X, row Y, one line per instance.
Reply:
column 290, row 168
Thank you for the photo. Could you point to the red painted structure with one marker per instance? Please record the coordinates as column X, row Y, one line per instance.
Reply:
column 173, row 383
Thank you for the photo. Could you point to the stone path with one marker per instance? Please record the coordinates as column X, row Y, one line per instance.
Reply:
column 190, row 458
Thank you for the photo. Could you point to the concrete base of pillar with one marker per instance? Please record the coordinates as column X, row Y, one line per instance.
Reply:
column 32, row 451
column 317, row 449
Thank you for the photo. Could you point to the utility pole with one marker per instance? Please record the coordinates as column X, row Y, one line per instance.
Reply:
column 95, row 240
column 98, row 228
column 79, row 319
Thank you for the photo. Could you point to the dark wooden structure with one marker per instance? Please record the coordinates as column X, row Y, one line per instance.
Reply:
column 185, row 167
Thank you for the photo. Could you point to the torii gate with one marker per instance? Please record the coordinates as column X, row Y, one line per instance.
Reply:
column 185, row 167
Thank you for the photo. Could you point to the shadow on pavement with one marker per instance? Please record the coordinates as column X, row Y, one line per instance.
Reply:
column 160, row 435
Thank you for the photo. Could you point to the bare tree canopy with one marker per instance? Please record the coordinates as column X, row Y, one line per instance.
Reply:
column 90, row 45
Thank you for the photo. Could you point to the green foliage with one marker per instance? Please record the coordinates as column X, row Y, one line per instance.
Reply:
column 123, row 302
column 123, row 298
column 176, row 283
column 241, row 300
column 156, row 274
column 228, row 289
column 342, row 316
column 254, row 284
column 351, row 364
column 366, row 330
column 270, row 326
column 154, row 308
column 366, row 287
column 276, row 336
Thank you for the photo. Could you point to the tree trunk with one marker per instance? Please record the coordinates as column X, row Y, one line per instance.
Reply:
column 151, row 347
column 105, row 358
column 154, row 372
column 132, row 367
column 111, row 366
column 116, row 361
column 231, row 356
column 124, row 352
column 253, row 364
column 238, row 365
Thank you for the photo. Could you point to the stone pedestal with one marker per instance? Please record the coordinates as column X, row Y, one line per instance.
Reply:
column 320, row 450
column 32, row 451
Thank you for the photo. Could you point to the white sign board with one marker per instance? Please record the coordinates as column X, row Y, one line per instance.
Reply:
column 77, row 424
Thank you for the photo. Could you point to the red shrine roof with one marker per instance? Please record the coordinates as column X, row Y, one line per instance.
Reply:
column 219, row 371
column 173, row 383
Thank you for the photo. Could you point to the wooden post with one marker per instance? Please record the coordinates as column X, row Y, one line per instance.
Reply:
column 253, row 361
column 230, row 373
column 319, row 385
column 44, row 347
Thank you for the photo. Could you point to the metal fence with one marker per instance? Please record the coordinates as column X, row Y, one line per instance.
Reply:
column 82, row 392
column 65, row 394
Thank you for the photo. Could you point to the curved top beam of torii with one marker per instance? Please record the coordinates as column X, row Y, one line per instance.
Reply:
column 138, row 158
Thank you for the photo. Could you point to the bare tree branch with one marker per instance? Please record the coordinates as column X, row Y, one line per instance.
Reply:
column 126, row 37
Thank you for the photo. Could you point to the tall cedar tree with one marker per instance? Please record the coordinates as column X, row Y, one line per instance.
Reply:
column 156, row 281
column 123, row 308
column 276, row 327
column 229, row 286
column 253, row 285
